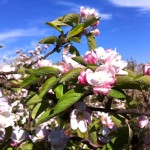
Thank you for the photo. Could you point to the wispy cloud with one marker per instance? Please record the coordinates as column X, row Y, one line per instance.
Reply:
column 17, row 33
column 76, row 7
column 143, row 5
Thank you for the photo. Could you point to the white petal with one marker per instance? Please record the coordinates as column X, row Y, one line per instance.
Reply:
column 73, row 124
column 82, row 126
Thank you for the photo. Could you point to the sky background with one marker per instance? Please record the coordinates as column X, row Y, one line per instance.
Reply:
column 124, row 25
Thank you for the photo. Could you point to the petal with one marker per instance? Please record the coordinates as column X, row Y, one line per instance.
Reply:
column 73, row 124
column 82, row 126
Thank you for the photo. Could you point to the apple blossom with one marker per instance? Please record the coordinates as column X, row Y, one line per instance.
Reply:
column 18, row 135
column 106, row 120
column 2, row 134
column 58, row 139
column 101, row 79
column 146, row 69
column 95, row 32
column 82, row 78
column 90, row 57
column 80, row 119
column 40, row 134
column 6, row 119
column 42, row 63
column 142, row 121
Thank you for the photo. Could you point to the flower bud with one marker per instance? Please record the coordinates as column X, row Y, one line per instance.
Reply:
column 95, row 32
column 142, row 121
column 146, row 69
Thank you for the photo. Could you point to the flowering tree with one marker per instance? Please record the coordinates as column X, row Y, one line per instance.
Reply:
column 82, row 102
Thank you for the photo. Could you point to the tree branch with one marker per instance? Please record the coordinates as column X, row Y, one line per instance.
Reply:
column 120, row 111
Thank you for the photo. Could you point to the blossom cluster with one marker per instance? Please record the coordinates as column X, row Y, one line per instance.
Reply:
column 109, row 65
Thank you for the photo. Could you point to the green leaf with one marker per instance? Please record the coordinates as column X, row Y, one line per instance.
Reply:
column 43, row 71
column 76, row 30
column 126, row 82
column 39, row 108
column 117, row 119
column 27, row 146
column 117, row 93
column 143, row 81
column 79, row 60
column 54, row 25
column 71, row 18
column 29, row 80
column 75, row 39
column 67, row 100
column 120, row 141
column 34, row 99
column 91, row 41
column 1, row 46
column 59, row 91
column 90, row 20
column 70, row 75
column 49, row 84
column 74, row 51
column 48, row 40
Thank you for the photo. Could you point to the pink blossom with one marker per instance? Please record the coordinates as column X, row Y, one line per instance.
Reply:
column 79, row 119
column 101, row 76
column 40, row 134
column 95, row 32
column 6, row 119
column 106, row 120
column 18, row 135
column 71, row 62
column 142, row 121
column 2, row 134
column 146, row 69
column 7, row 68
column 85, row 12
column 82, row 78
column 42, row 63
column 90, row 57
column 4, row 105
column 64, row 68
column 102, row 89
column 112, row 59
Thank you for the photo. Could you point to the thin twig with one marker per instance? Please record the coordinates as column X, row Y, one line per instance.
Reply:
column 120, row 111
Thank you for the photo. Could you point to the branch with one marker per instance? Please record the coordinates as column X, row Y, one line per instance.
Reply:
column 120, row 111
column 44, row 57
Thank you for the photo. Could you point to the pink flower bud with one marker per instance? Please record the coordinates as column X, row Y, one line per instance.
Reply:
column 95, row 32
column 90, row 57
column 142, row 121
column 82, row 77
column 146, row 69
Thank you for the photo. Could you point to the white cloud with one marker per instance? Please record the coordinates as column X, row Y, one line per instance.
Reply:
column 105, row 16
column 76, row 8
column 17, row 33
column 144, row 5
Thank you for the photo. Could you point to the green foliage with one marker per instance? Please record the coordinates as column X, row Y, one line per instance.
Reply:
column 49, row 84
column 91, row 41
column 70, row 75
column 33, row 99
column 76, row 30
column 67, row 100
column 117, row 93
column 48, row 40
column 43, row 71
column 29, row 80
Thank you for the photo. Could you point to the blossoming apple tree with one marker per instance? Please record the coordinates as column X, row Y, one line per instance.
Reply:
column 82, row 102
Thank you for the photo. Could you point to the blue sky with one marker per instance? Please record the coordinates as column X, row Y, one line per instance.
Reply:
column 125, row 25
